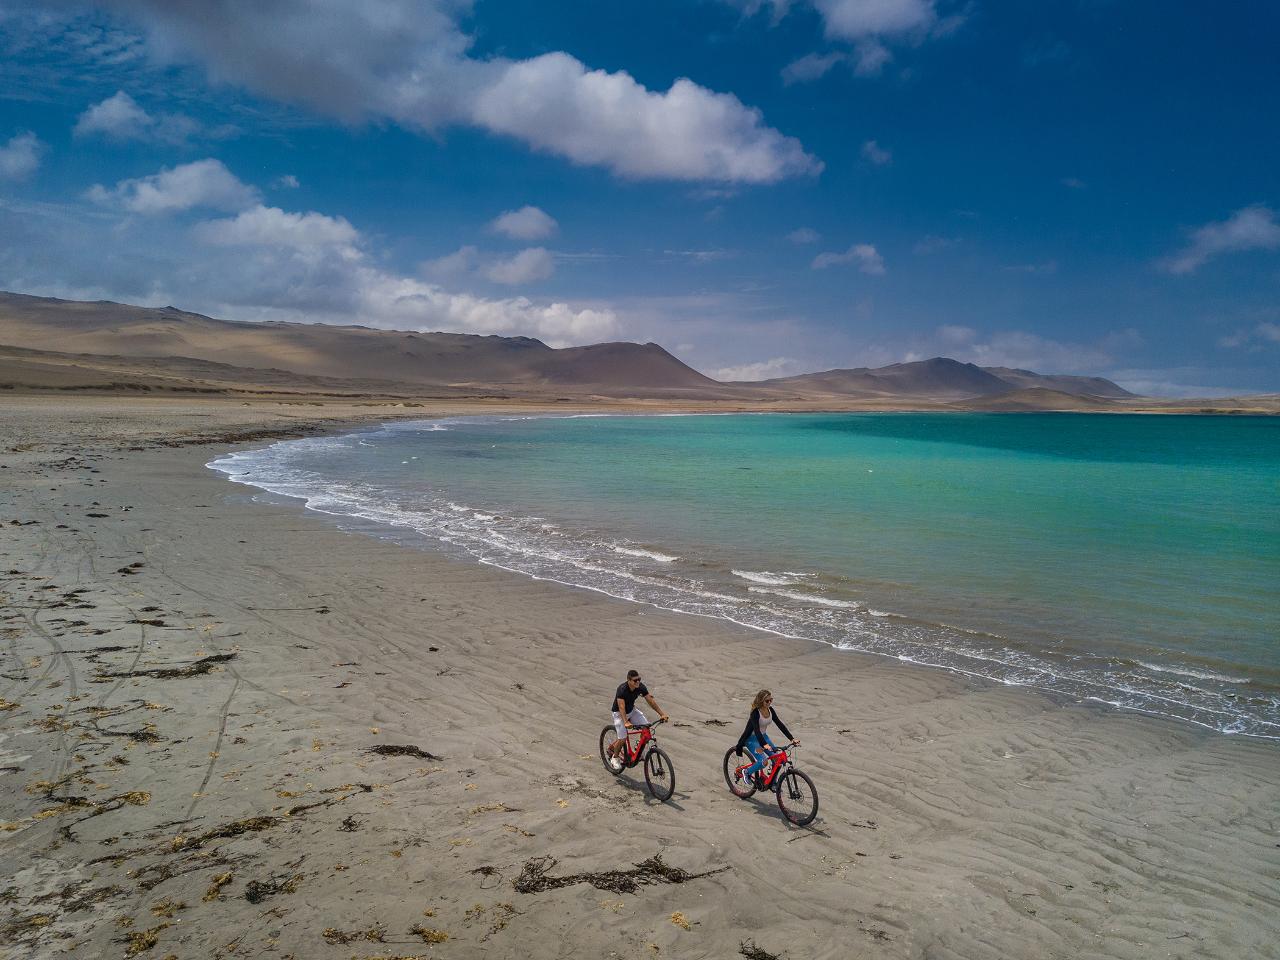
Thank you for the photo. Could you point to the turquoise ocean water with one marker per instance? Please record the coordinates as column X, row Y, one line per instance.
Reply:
column 1132, row 560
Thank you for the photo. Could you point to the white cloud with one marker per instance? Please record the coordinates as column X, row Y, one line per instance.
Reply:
column 461, row 261
column 286, row 182
column 871, row 56
column 527, row 223
column 873, row 153
column 20, row 157
column 305, row 233
column 557, row 105
column 1253, row 338
column 1251, row 228
column 866, row 256
column 311, row 266
column 407, row 61
column 204, row 183
column 120, row 118
column 804, row 235
column 763, row 370
column 526, row 266
column 810, row 67
column 855, row 19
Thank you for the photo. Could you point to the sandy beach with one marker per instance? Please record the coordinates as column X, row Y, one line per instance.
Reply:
column 195, row 681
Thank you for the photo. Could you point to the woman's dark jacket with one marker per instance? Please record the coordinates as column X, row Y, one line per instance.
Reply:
column 753, row 727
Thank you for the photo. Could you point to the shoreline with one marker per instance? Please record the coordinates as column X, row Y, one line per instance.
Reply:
column 1072, row 678
column 959, row 818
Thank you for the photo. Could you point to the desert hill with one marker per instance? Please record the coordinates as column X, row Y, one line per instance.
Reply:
column 347, row 352
column 50, row 344
column 942, row 378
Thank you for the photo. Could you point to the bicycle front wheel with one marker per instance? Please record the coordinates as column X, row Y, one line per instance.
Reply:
column 733, row 766
column 797, row 797
column 659, row 774
column 615, row 765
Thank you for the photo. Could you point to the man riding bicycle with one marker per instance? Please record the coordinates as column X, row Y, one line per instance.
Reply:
column 625, row 715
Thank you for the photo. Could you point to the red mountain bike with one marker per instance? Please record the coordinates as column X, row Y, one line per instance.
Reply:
column 659, row 775
column 797, row 796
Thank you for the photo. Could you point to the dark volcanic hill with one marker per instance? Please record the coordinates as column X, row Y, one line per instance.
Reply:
column 347, row 352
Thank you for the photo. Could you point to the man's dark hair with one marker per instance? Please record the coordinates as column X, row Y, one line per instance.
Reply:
column 632, row 674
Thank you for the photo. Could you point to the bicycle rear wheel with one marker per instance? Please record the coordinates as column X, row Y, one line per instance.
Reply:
column 732, row 763
column 797, row 797
column 615, row 765
column 659, row 774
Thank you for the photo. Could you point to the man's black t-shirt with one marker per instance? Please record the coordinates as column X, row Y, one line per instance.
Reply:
column 628, row 697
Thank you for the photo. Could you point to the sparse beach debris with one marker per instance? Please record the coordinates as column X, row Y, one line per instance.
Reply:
column 681, row 921
column 429, row 934
column 196, row 669
column 140, row 941
column 256, row 891
column 715, row 723
column 374, row 934
column 402, row 750
column 533, row 876
column 749, row 950
column 215, row 887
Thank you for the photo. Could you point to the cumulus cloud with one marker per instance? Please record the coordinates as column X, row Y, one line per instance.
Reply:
column 875, row 154
column 865, row 255
column 286, row 182
column 804, row 235
column 280, row 264
column 527, row 223
column 120, row 118
column 1251, row 228
column 526, row 266
column 306, row 233
column 20, row 157
column 407, row 61
column 204, row 183
column 762, row 370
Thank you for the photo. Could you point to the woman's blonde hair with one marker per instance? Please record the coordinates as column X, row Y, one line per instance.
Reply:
column 761, row 697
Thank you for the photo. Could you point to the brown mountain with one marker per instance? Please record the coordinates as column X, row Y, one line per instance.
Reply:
column 942, row 378
column 351, row 353
column 61, row 344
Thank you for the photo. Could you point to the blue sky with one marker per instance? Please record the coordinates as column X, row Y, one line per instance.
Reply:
column 765, row 188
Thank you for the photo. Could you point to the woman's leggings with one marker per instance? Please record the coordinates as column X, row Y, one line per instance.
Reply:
column 758, row 750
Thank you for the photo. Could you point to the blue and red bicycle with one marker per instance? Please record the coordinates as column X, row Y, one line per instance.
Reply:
column 797, row 796
column 659, row 774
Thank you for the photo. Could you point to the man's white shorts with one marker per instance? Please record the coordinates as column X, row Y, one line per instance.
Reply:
column 635, row 716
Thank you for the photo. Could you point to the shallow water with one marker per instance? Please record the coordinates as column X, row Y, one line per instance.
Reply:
column 1124, row 559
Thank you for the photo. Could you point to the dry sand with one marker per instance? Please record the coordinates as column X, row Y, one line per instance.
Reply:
column 234, row 809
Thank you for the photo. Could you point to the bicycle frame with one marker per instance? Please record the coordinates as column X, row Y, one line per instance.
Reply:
column 778, row 760
column 646, row 737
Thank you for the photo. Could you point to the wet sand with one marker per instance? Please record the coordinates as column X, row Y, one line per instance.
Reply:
column 194, row 679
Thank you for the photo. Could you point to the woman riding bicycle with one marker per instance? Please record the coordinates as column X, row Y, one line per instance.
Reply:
column 756, row 735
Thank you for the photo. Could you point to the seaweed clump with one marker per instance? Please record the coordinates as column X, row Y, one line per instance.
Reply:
column 196, row 669
column 749, row 950
column 402, row 750
column 534, row 879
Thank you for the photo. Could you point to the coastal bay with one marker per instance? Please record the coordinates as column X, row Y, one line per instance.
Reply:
column 196, row 677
